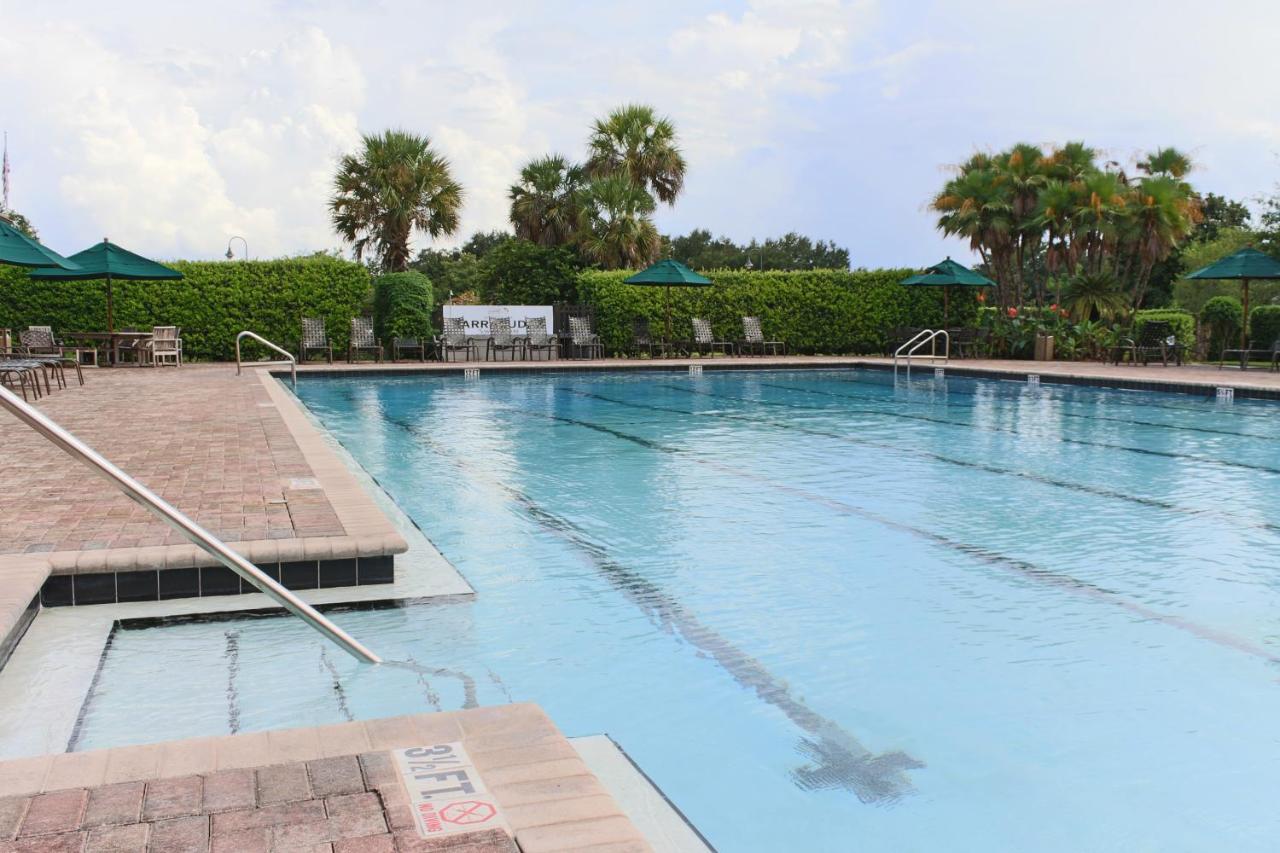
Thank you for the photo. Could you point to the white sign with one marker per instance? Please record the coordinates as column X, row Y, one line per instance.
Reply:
column 445, row 791
column 476, row 317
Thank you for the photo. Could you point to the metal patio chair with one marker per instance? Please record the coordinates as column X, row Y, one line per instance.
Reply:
column 314, row 339
column 22, row 374
column 753, row 339
column 1256, row 350
column 400, row 346
column 52, row 346
column 538, row 340
column 363, row 340
column 642, row 340
column 704, row 341
column 37, row 344
column 501, row 340
column 454, row 338
column 583, row 338
column 1156, row 340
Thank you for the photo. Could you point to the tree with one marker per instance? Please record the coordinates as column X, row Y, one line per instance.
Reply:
column 482, row 243
column 520, row 272
column 547, row 203
column 634, row 142
column 20, row 222
column 792, row 251
column 618, row 232
column 396, row 185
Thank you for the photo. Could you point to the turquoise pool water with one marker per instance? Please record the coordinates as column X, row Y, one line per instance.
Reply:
column 823, row 612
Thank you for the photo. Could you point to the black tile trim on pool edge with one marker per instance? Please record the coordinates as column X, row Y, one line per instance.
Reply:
column 10, row 640
column 166, row 584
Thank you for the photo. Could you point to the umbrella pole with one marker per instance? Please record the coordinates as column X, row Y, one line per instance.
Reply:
column 946, row 306
column 1244, row 322
column 111, row 320
column 667, row 342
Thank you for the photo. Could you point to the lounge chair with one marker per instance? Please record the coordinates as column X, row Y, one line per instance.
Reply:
column 583, row 338
column 537, row 339
column 1255, row 350
column 897, row 336
column 501, row 340
column 967, row 343
column 163, row 345
column 753, row 339
column 642, row 340
column 704, row 341
column 399, row 346
column 1151, row 343
column 363, row 340
column 37, row 344
column 57, row 347
column 22, row 375
column 314, row 339
column 454, row 338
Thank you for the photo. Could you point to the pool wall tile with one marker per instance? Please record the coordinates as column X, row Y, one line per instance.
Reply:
column 379, row 569
column 304, row 574
column 57, row 591
column 218, row 580
column 179, row 583
column 138, row 586
column 94, row 589
column 337, row 573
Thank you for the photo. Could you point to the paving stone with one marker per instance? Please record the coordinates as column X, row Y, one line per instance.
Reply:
column 120, row 803
column 378, row 769
column 256, row 840
column 63, row 842
column 60, row 811
column 331, row 776
column 168, row 798
column 11, row 811
column 130, row 838
column 354, row 815
column 228, row 790
column 306, row 810
column 180, row 835
column 384, row 843
column 283, row 783
column 298, row 836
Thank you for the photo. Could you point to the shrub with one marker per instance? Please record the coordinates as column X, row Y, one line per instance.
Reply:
column 519, row 272
column 823, row 311
column 1222, row 315
column 1183, row 323
column 213, row 303
column 402, row 306
column 1264, row 324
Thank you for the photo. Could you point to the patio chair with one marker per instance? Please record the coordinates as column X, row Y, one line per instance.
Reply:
column 363, row 340
column 52, row 345
column 314, row 339
column 753, row 339
column 22, row 375
column 1256, row 350
column 38, row 344
column 454, row 338
column 642, row 340
column 964, row 342
column 164, row 345
column 583, row 338
column 501, row 340
column 537, row 339
column 704, row 341
column 1156, row 340
column 404, row 345
column 897, row 336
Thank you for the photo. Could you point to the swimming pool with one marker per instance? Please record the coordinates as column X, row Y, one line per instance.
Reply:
column 823, row 612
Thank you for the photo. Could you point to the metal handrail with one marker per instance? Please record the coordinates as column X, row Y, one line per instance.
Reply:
column 924, row 336
column 290, row 360
column 202, row 538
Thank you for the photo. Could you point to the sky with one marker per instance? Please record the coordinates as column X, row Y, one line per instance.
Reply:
column 170, row 126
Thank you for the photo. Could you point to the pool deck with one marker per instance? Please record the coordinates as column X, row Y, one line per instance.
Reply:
column 332, row 789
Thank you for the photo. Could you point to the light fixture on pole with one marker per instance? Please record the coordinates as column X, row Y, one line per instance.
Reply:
column 230, row 254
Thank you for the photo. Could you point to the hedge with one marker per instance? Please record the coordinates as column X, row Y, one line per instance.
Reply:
column 402, row 306
column 814, row 311
column 1264, row 324
column 213, row 303
column 1222, row 316
column 1182, row 322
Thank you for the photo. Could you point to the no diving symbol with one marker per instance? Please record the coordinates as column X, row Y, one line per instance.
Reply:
column 467, row 811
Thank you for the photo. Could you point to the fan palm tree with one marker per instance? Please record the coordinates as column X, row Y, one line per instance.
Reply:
column 975, row 205
column 1164, row 211
column 617, row 232
column 1166, row 161
column 1022, row 173
column 635, row 142
column 395, row 185
column 1094, row 295
column 546, row 205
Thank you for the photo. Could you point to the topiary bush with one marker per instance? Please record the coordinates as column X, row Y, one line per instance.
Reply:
column 1183, row 323
column 814, row 311
column 1264, row 324
column 213, row 303
column 402, row 306
column 1222, row 316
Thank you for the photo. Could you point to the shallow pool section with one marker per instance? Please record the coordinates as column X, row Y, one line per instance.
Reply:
column 821, row 610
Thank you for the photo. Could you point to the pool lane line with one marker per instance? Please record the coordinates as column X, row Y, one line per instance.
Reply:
column 1059, row 413
column 840, row 759
column 335, row 684
column 232, row 655
column 991, row 557
column 1167, row 454
column 77, row 729
column 1084, row 488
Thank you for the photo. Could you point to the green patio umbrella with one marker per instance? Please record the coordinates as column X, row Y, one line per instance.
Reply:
column 108, row 261
column 948, row 274
column 1244, row 265
column 669, row 273
column 20, row 250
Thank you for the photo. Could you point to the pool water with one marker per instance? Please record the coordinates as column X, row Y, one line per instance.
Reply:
column 822, row 610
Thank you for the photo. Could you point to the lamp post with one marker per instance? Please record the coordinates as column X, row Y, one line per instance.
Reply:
column 230, row 254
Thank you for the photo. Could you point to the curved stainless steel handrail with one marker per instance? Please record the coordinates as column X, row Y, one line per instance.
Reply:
column 202, row 538
column 290, row 360
column 924, row 336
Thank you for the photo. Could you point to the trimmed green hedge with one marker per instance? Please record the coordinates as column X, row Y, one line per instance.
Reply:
column 213, row 303
column 1182, row 322
column 402, row 306
column 1222, row 316
column 818, row 311
column 1264, row 324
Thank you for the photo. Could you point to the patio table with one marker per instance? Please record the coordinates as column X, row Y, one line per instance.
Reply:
column 113, row 340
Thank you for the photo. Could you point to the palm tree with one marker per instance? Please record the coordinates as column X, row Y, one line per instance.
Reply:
column 634, row 142
column 1022, row 173
column 1094, row 295
column 395, row 185
column 1164, row 211
column 1166, row 161
column 546, row 205
column 975, row 205
column 617, row 232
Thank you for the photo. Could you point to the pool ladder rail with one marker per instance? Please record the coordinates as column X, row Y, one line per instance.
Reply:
column 288, row 357
column 924, row 336
column 167, row 513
